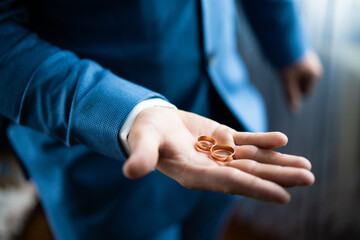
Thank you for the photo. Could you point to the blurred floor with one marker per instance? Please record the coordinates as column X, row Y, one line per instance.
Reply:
column 36, row 226
column 241, row 229
column 21, row 214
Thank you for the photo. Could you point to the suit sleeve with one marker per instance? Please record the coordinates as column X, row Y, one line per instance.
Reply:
column 52, row 90
column 277, row 27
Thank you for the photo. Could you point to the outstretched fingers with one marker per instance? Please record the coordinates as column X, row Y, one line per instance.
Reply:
column 270, row 157
column 233, row 181
column 284, row 176
column 268, row 140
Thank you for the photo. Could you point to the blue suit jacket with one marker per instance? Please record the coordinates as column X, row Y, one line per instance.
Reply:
column 71, row 71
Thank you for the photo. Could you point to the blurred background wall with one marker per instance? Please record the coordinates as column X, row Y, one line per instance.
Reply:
column 326, row 131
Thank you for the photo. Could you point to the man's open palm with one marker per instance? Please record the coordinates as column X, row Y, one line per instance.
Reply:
column 164, row 139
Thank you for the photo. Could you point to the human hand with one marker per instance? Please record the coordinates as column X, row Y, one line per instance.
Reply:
column 300, row 78
column 164, row 138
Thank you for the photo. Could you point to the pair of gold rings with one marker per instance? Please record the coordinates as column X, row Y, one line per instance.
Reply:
column 221, row 152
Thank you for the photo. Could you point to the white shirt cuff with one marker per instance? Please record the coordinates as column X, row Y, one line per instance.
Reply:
column 125, row 129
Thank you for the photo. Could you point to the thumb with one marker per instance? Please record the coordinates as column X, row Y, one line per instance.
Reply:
column 144, row 143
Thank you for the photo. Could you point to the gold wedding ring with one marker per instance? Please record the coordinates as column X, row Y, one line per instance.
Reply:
column 204, row 143
column 223, row 153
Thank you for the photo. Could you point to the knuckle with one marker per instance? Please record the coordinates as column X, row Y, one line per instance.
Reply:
column 303, row 162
